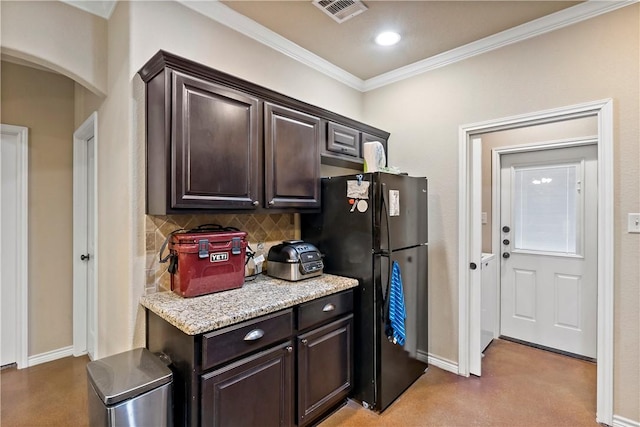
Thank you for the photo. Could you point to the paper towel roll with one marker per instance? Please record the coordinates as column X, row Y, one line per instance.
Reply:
column 374, row 157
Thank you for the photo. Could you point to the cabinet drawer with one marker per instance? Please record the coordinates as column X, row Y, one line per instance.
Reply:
column 317, row 311
column 343, row 140
column 234, row 341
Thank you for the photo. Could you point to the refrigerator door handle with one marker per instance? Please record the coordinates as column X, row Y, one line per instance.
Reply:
column 384, row 292
column 384, row 210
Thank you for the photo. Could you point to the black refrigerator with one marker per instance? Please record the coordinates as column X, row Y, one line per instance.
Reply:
column 367, row 222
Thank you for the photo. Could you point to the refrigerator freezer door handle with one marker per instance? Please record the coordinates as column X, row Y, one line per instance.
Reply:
column 384, row 210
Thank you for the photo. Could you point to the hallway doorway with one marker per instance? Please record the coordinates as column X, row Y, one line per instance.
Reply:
column 470, row 250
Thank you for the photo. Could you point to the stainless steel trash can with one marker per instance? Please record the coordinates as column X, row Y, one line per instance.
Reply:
column 129, row 389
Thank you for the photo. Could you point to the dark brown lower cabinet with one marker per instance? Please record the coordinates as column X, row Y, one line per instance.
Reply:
column 325, row 368
column 282, row 369
column 254, row 391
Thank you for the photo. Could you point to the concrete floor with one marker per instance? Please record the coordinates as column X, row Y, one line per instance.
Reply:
column 520, row 386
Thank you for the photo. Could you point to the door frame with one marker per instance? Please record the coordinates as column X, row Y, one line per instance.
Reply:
column 86, row 131
column 468, row 313
column 21, row 246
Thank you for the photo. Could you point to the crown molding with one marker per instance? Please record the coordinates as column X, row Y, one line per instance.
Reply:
column 546, row 24
column 234, row 20
column 250, row 28
column 101, row 8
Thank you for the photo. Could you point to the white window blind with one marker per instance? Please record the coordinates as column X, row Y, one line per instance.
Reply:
column 545, row 209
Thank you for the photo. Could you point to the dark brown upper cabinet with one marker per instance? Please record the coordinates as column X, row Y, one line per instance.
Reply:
column 292, row 158
column 343, row 140
column 215, row 146
column 222, row 144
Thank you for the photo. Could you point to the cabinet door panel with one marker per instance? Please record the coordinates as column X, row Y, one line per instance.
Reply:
column 325, row 368
column 343, row 140
column 255, row 391
column 216, row 146
column 292, row 158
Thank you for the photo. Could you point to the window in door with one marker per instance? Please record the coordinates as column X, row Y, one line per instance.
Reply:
column 547, row 209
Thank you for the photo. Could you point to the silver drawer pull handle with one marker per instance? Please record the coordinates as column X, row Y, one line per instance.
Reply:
column 328, row 307
column 256, row 334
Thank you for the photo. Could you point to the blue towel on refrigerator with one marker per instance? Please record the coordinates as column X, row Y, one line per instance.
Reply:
column 395, row 329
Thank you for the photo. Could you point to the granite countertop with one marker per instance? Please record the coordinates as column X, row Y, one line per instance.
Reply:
column 261, row 296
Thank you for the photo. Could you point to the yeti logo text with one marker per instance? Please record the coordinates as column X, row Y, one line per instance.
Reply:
column 219, row 256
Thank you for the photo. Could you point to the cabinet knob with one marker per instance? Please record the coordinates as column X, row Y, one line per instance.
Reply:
column 304, row 341
column 289, row 349
column 255, row 203
column 254, row 335
column 272, row 202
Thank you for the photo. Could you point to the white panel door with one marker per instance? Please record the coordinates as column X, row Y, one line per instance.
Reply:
column 91, row 261
column 14, row 231
column 84, row 240
column 9, row 235
column 549, row 248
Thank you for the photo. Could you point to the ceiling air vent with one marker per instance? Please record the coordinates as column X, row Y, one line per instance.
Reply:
column 340, row 10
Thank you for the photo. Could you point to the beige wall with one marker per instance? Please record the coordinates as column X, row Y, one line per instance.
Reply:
column 592, row 60
column 57, row 36
column 118, row 289
column 85, row 103
column 43, row 102
column 568, row 129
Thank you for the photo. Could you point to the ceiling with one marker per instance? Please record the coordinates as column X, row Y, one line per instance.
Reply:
column 427, row 28
column 434, row 33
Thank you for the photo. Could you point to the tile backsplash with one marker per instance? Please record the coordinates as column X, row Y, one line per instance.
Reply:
column 263, row 230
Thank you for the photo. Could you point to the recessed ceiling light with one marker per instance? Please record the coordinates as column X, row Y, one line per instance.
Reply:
column 387, row 38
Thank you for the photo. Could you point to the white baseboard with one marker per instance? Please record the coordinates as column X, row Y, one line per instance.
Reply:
column 439, row 362
column 619, row 421
column 50, row 356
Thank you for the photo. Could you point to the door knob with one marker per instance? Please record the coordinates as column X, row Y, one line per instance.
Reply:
column 506, row 229
column 506, row 255
column 84, row 257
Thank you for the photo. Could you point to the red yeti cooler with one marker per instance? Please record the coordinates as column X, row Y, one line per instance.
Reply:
column 206, row 261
